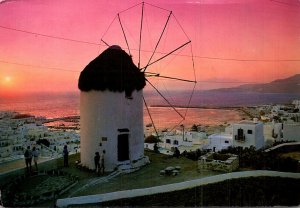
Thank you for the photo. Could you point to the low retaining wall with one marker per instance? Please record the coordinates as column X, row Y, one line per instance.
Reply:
column 207, row 162
column 48, row 189
column 98, row 198
column 11, row 174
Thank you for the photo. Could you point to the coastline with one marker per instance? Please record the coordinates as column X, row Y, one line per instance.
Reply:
column 165, row 118
column 200, row 107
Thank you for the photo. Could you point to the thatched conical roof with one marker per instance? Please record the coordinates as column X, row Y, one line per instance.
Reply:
column 112, row 70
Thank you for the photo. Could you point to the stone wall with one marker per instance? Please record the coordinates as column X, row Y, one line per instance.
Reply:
column 207, row 162
column 55, row 183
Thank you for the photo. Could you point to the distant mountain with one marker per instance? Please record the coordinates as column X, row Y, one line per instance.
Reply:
column 288, row 85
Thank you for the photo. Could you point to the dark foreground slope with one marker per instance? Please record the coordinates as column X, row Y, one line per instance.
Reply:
column 259, row 191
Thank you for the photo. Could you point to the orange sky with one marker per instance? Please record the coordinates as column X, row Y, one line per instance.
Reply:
column 261, row 39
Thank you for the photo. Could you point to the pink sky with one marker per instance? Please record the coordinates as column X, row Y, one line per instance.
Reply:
column 230, row 29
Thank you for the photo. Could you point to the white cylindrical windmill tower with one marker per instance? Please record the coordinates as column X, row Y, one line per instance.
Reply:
column 111, row 110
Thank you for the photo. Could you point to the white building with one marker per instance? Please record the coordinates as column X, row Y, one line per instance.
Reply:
column 248, row 133
column 277, row 132
column 111, row 111
column 17, row 131
column 190, row 140
column 296, row 103
column 218, row 142
column 291, row 131
column 277, row 110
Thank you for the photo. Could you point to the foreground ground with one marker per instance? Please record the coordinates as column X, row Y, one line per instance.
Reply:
column 264, row 192
column 259, row 191
column 147, row 176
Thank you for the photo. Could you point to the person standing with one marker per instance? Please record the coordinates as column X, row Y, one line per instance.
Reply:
column 97, row 162
column 35, row 155
column 28, row 159
column 102, row 168
column 155, row 148
column 66, row 156
column 176, row 153
column 1, row 203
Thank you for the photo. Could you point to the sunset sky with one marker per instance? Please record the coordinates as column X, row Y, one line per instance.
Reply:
column 233, row 41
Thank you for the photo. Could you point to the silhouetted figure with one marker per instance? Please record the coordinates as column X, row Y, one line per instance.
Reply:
column 155, row 148
column 28, row 159
column 176, row 153
column 1, row 203
column 66, row 156
column 97, row 162
column 35, row 155
column 102, row 162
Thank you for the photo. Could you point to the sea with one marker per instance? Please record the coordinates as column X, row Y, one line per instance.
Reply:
column 208, row 107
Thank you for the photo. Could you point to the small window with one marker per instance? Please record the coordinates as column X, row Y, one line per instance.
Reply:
column 168, row 141
column 226, row 142
column 104, row 139
column 175, row 142
column 249, row 131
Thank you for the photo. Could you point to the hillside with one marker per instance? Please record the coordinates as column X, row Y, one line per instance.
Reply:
column 288, row 85
column 259, row 191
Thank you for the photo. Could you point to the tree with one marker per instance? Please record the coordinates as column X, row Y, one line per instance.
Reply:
column 194, row 127
column 262, row 113
column 152, row 139
column 277, row 118
column 44, row 142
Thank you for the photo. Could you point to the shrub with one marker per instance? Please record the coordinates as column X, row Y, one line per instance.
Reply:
column 152, row 139
column 44, row 142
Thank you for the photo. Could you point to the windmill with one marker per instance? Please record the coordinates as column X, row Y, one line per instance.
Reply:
column 111, row 85
column 160, row 47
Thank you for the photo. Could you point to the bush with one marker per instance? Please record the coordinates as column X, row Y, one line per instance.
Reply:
column 194, row 155
column 44, row 142
column 152, row 139
column 221, row 157
column 257, row 159
column 194, row 128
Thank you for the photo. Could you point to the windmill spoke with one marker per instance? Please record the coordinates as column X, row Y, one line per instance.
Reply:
column 167, row 77
column 141, row 28
column 193, row 62
column 157, row 7
column 105, row 43
column 165, row 99
column 158, row 41
column 124, row 34
column 130, row 7
column 166, row 55
column 180, row 26
column 151, row 117
column 107, row 31
column 190, row 99
column 174, row 127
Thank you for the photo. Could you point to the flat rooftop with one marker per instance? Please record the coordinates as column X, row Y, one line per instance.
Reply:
column 249, row 122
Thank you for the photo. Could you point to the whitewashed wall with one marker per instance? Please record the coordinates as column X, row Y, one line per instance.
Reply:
column 102, row 113
column 218, row 141
column 255, row 139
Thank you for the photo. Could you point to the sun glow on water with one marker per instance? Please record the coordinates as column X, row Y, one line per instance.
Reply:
column 6, row 84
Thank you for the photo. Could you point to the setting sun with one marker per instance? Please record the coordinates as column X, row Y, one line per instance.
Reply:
column 7, row 79
column 7, row 82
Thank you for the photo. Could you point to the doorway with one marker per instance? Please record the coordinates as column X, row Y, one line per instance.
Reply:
column 123, row 147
